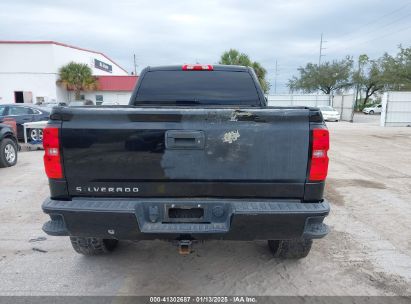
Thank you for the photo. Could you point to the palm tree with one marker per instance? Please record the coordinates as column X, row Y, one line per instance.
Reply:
column 234, row 57
column 77, row 77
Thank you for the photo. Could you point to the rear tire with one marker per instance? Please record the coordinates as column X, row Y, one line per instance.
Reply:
column 8, row 153
column 290, row 249
column 92, row 246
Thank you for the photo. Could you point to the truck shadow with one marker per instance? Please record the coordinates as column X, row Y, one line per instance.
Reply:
column 216, row 267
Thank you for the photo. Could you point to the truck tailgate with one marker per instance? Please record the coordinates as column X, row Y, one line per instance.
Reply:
column 175, row 152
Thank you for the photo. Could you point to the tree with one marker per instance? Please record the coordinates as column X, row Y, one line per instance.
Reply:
column 370, row 77
column 403, row 60
column 385, row 73
column 329, row 77
column 77, row 77
column 234, row 57
column 398, row 69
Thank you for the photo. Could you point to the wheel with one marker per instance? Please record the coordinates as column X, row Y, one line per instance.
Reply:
column 36, row 135
column 8, row 153
column 92, row 246
column 290, row 249
column 371, row 112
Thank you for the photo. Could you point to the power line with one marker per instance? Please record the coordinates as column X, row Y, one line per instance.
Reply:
column 385, row 26
column 388, row 24
column 360, row 36
column 387, row 34
column 376, row 20
column 396, row 31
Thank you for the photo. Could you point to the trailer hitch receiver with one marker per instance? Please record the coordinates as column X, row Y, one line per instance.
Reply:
column 185, row 247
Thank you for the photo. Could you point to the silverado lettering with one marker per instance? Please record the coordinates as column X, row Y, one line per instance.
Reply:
column 107, row 189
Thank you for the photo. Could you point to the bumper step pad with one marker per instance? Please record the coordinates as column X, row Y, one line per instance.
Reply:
column 315, row 230
column 55, row 227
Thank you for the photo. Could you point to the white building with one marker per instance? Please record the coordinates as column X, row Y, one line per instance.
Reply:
column 29, row 73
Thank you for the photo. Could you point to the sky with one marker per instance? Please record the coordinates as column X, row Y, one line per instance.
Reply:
column 163, row 32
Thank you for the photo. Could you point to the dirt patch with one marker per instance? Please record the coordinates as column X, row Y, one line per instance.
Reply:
column 363, row 183
column 332, row 185
column 389, row 137
column 382, row 137
column 353, row 257
column 332, row 195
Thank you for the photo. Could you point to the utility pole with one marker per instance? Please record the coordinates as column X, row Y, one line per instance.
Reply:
column 321, row 50
column 275, row 79
column 320, row 56
column 357, row 89
column 135, row 65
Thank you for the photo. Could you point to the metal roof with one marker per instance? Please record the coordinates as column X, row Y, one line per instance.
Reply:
column 116, row 83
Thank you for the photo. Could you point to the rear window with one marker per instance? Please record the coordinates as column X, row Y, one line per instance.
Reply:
column 20, row 111
column 197, row 87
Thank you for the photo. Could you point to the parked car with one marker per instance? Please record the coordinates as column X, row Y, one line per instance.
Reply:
column 329, row 113
column 49, row 105
column 372, row 110
column 8, row 146
column 110, row 103
column 81, row 103
column 25, row 113
column 76, row 103
column 197, row 155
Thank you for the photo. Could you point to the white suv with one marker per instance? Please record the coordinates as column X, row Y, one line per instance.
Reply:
column 372, row 110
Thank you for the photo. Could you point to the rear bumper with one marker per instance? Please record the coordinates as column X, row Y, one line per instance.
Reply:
column 143, row 219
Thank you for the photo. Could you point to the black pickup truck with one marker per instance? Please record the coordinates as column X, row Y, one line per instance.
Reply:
column 196, row 155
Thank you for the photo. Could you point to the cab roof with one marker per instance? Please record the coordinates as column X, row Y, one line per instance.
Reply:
column 216, row 67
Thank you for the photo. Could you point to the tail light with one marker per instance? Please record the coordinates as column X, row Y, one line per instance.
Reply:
column 52, row 160
column 198, row 67
column 319, row 157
